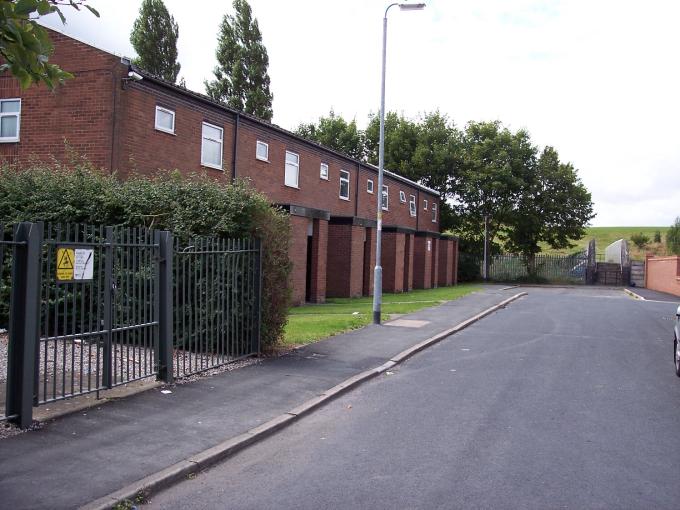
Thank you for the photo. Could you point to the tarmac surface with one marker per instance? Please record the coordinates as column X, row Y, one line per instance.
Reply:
column 81, row 457
column 565, row 399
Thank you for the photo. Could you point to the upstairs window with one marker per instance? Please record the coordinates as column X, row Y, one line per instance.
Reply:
column 211, row 146
column 262, row 151
column 425, row 205
column 385, row 198
column 402, row 197
column 344, row 184
column 412, row 205
column 323, row 171
column 369, row 186
column 10, row 117
column 434, row 213
column 292, row 176
column 165, row 120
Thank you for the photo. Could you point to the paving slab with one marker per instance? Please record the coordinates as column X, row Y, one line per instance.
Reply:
column 81, row 457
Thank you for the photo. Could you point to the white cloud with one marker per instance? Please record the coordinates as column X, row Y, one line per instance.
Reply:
column 597, row 80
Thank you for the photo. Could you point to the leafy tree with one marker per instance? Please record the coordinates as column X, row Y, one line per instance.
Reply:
column 640, row 240
column 673, row 237
column 553, row 207
column 336, row 133
column 401, row 141
column 25, row 46
column 657, row 236
column 154, row 38
column 241, row 78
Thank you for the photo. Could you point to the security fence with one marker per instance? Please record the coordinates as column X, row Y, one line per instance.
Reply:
column 516, row 268
column 95, row 307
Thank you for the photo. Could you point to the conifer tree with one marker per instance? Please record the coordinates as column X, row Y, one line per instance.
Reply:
column 154, row 38
column 241, row 78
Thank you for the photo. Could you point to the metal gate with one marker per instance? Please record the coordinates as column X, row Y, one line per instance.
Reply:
column 99, row 309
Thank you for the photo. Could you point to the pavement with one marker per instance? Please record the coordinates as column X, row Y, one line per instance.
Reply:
column 80, row 458
column 565, row 399
column 653, row 295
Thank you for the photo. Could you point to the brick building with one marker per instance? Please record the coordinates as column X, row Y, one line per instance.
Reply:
column 125, row 120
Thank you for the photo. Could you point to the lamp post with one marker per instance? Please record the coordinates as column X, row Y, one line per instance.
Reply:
column 377, row 276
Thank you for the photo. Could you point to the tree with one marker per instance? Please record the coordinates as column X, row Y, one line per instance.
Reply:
column 336, row 133
column 241, row 79
column 657, row 236
column 640, row 240
column 154, row 38
column 401, row 140
column 673, row 237
column 25, row 46
column 553, row 207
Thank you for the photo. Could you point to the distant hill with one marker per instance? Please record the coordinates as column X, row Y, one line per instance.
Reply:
column 604, row 236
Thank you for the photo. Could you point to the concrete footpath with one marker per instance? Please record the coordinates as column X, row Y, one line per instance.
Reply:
column 125, row 445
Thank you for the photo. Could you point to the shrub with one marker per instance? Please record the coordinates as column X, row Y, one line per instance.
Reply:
column 640, row 240
column 657, row 236
column 673, row 237
column 188, row 207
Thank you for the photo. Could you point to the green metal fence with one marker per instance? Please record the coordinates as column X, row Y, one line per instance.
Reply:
column 514, row 268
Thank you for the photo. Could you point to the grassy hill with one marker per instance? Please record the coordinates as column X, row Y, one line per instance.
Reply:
column 604, row 236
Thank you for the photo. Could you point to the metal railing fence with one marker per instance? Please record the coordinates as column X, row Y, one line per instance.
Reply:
column 93, row 307
column 543, row 268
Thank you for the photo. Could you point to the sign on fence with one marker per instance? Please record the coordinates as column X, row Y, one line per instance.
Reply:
column 74, row 264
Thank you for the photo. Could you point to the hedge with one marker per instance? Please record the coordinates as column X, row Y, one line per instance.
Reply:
column 187, row 206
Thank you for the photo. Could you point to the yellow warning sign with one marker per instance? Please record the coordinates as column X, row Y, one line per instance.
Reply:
column 65, row 259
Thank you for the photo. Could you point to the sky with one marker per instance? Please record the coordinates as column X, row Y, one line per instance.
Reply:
column 599, row 80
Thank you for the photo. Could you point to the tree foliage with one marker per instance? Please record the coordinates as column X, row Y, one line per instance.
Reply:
column 25, row 46
column 640, row 240
column 336, row 133
column 154, row 38
column 673, row 237
column 241, row 78
column 189, row 207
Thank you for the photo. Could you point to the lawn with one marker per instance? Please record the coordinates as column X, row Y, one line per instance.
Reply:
column 604, row 236
column 312, row 322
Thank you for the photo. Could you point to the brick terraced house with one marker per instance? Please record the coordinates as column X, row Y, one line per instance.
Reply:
column 125, row 120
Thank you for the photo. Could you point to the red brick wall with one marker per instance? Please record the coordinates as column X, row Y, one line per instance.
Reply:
column 422, row 263
column 345, row 276
column 319, row 260
column 298, row 256
column 455, row 262
column 369, row 261
column 435, row 263
column 408, row 262
column 445, row 273
column 663, row 274
column 78, row 115
column 393, row 261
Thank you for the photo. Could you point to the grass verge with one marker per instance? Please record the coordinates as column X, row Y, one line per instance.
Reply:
column 309, row 323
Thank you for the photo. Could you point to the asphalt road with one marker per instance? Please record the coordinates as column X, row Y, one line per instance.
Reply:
column 566, row 399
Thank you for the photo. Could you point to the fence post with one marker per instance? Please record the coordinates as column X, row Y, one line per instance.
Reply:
column 107, row 360
column 258, row 297
column 24, row 326
column 165, row 334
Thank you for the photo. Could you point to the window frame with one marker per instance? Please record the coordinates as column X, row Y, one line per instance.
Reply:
column 372, row 187
column 321, row 172
column 221, row 142
column 170, row 131
column 259, row 143
column 385, row 204
column 12, row 139
column 424, row 204
column 297, row 173
column 412, row 206
column 402, row 196
column 434, row 213
column 345, row 179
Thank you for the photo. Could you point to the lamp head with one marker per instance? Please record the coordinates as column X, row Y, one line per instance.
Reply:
column 411, row 7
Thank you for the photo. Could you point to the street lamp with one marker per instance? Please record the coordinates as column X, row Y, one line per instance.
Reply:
column 377, row 276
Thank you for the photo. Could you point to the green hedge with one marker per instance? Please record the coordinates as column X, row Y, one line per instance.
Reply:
column 189, row 207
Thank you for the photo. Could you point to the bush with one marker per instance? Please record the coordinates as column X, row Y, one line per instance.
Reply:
column 673, row 237
column 657, row 236
column 640, row 240
column 188, row 207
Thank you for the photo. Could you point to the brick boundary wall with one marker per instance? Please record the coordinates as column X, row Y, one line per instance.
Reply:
column 663, row 274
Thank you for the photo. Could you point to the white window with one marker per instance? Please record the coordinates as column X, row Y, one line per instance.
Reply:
column 344, row 184
column 211, row 146
column 402, row 196
column 425, row 205
column 10, row 117
column 412, row 205
column 385, row 198
column 165, row 120
column 292, row 176
column 434, row 213
column 262, row 151
column 369, row 186
column 323, row 171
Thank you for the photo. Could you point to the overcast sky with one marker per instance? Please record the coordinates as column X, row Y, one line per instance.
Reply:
column 597, row 79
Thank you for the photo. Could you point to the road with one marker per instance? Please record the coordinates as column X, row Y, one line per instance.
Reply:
column 566, row 399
